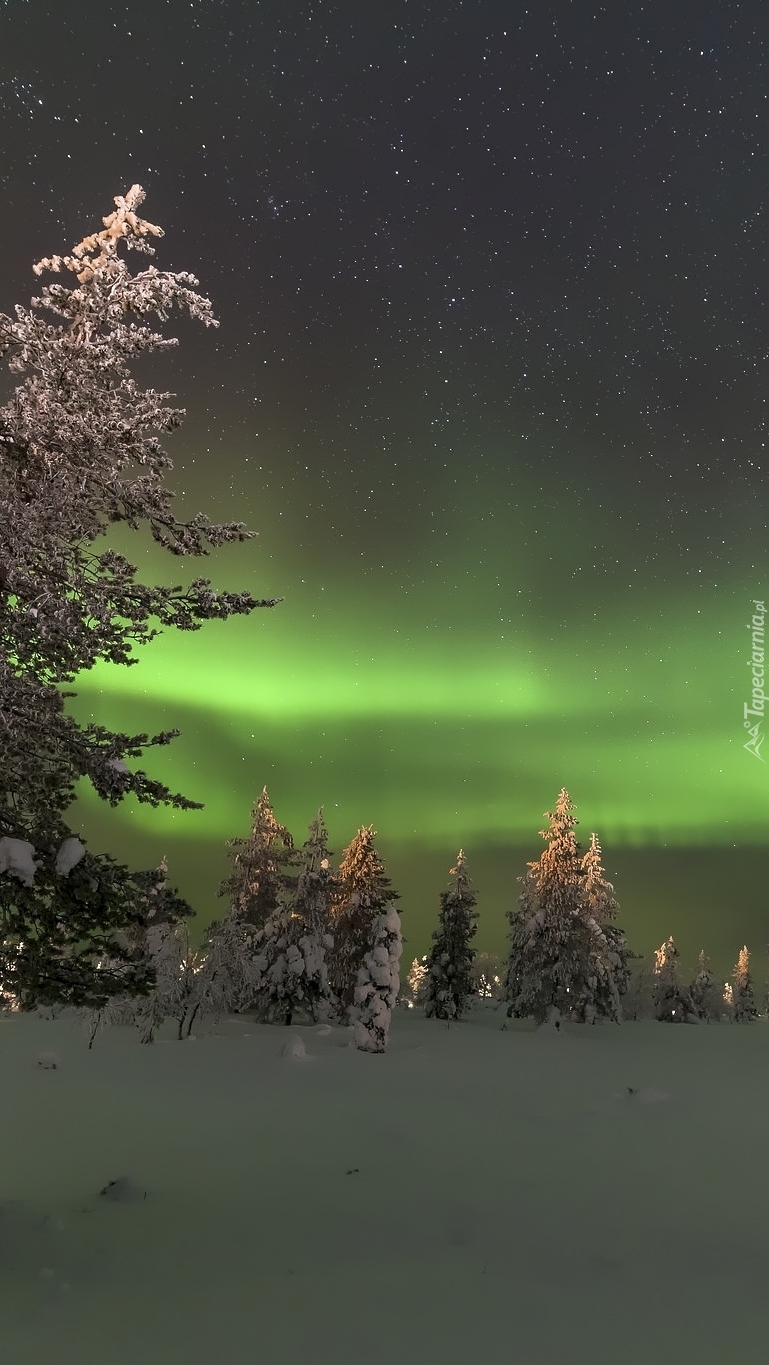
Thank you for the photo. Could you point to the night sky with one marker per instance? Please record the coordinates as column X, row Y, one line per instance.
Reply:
column 490, row 382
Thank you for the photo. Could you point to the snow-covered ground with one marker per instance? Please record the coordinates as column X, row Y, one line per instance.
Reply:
column 475, row 1194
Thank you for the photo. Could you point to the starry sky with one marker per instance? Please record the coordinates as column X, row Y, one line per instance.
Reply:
column 490, row 383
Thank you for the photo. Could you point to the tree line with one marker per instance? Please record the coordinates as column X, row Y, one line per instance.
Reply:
column 299, row 938
column 568, row 959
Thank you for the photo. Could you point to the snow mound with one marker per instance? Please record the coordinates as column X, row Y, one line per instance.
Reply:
column 295, row 1050
column 17, row 857
column 48, row 1061
column 69, row 856
column 123, row 1190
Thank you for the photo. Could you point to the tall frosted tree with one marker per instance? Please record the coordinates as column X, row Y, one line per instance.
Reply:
column 291, row 974
column 567, row 956
column 292, row 946
column 363, row 893
column 550, row 941
column 317, row 886
column 81, row 454
column 449, row 983
column 608, row 975
column 743, row 996
column 263, row 865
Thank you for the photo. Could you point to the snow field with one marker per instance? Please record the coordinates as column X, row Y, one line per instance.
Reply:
column 473, row 1194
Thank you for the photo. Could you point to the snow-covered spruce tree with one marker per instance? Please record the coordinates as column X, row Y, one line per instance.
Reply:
column 554, row 943
column 450, row 960
column 263, row 865
column 290, row 969
column 609, row 971
column 292, row 946
column 377, row 985
column 673, row 1003
column 743, row 998
column 316, row 892
column 706, row 992
column 80, row 453
column 363, row 893
column 317, row 887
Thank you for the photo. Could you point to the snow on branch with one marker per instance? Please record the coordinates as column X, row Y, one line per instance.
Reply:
column 17, row 858
column 98, row 251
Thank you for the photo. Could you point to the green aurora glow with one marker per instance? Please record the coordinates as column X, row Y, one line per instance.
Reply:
column 452, row 735
column 445, row 746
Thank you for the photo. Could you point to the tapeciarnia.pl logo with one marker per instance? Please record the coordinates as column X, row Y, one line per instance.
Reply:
column 755, row 707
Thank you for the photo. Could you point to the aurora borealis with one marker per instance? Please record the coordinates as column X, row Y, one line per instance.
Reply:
column 489, row 382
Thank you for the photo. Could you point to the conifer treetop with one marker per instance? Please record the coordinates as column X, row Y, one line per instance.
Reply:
column 460, row 866
column 261, row 863
column 267, row 833
column 742, row 966
column 556, row 874
column 562, row 819
column 666, row 954
column 98, row 251
column 315, row 851
column 362, row 872
column 461, row 887
column 265, row 824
